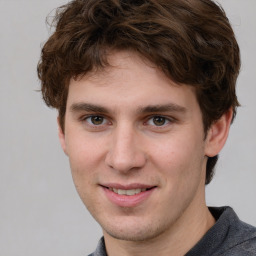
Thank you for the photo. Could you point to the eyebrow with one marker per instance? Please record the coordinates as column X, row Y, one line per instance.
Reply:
column 171, row 107
column 77, row 107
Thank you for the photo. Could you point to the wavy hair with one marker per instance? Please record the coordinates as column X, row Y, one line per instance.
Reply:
column 191, row 41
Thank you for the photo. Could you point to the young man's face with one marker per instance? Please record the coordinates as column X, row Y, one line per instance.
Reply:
column 130, row 130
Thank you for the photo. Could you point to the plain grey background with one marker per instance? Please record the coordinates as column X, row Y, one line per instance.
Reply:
column 40, row 211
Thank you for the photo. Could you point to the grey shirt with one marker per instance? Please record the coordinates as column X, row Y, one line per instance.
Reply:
column 228, row 237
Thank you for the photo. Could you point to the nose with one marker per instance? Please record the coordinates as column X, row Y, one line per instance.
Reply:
column 125, row 150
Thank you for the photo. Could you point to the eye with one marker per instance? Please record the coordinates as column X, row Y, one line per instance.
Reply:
column 158, row 121
column 96, row 120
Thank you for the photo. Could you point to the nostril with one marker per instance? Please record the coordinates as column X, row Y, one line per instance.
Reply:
column 124, row 159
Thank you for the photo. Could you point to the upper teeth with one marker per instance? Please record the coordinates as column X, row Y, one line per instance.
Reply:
column 129, row 192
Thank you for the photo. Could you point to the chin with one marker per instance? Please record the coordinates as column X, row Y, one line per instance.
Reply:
column 134, row 231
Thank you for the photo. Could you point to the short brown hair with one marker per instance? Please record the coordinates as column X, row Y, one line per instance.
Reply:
column 191, row 41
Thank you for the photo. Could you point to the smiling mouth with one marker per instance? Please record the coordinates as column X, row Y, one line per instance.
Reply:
column 128, row 192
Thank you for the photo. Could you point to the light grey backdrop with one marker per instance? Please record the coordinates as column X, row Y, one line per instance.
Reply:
column 40, row 212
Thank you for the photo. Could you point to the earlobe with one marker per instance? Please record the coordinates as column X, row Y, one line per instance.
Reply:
column 217, row 134
column 62, row 137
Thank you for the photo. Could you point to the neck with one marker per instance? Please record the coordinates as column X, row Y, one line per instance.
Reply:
column 185, row 233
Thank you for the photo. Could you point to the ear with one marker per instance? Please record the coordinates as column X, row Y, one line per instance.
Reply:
column 217, row 134
column 61, row 137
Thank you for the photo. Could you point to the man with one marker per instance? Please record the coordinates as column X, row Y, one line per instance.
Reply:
column 145, row 92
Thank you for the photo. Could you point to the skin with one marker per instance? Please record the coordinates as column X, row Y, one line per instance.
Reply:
column 119, row 130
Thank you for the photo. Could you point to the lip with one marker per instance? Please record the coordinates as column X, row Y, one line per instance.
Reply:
column 128, row 186
column 125, row 200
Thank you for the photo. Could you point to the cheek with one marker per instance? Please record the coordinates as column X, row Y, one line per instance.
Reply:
column 85, row 158
column 83, row 168
column 83, row 151
column 178, row 157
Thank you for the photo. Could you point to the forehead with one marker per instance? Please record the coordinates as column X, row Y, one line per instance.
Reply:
column 129, row 81
column 125, row 64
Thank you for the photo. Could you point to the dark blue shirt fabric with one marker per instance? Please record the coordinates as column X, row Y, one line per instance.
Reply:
column 228, row 237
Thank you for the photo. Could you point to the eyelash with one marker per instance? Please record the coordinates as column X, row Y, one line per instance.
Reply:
column 86, row 118
column 167, row 121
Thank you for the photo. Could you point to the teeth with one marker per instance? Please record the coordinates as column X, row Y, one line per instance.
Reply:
column 129, row 192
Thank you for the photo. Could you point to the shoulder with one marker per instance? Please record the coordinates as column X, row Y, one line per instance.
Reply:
column 100, row 250
column 241, row 241
column 240, row 238
column 228, row 237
